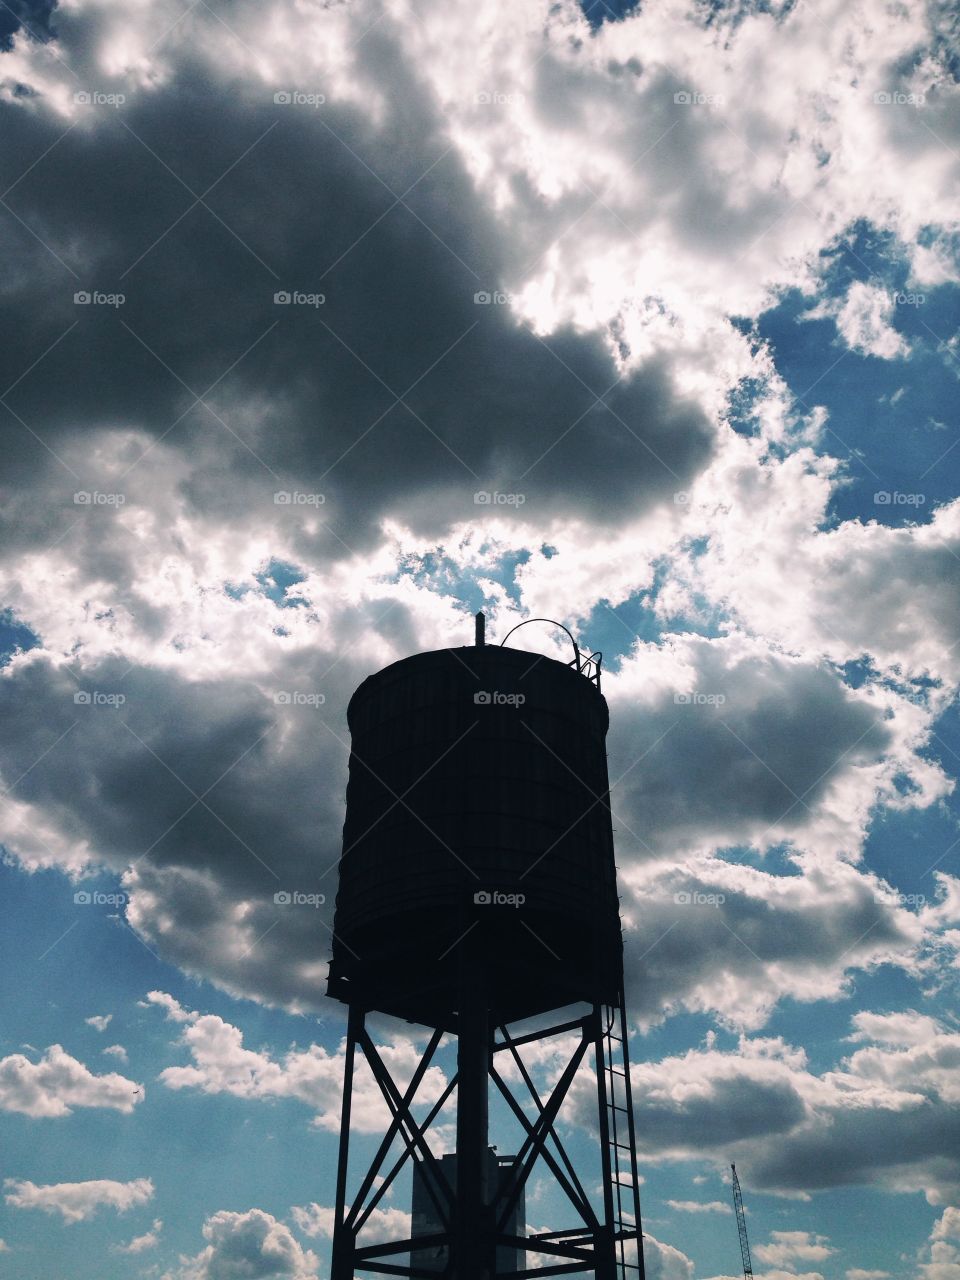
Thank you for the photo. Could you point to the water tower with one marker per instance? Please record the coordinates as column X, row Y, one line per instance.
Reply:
column 478, row 899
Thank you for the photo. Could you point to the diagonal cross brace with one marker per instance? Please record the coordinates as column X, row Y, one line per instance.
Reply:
column 534, row 1144
column 409, row 1130
column 404, row 1109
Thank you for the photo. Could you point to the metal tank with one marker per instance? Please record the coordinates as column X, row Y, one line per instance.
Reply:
column 477, row 804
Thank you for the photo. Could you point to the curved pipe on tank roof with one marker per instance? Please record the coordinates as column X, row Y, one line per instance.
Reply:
column 553, row 623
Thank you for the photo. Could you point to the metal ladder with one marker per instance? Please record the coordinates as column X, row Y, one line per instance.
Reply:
column 621, row 1140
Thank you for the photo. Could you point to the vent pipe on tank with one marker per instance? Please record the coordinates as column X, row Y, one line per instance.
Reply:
column 481, row 622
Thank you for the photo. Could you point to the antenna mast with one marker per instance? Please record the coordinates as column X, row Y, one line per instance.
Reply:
column 741, row 1226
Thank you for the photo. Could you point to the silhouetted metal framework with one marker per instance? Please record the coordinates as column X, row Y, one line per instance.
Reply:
column 479, row 775
column 741, row 1226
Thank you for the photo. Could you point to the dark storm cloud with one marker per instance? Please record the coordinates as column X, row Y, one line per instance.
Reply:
column 310, row 207
column 727, row 1113
column 751, row 750
column 213, row 793
column 30, row 16
column 906, row 1146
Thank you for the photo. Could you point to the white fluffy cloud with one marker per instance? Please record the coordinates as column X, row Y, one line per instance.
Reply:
column 786, row 1249
column 245, row 1245
column 77, row 1201
column 58, row 1083
column 140, row 1244
column 99, row 1021
column 221, row 1064
column 863, row 320
column 664, row 1262
column 383, row 1224
column 941, row 1257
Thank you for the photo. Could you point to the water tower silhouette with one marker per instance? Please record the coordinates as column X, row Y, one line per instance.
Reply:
column 478, row 892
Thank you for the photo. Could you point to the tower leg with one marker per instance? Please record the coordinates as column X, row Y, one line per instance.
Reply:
column 473, row 1255
column 343, row 1237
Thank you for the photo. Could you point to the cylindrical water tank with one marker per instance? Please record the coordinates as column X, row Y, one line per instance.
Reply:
column 477, row 834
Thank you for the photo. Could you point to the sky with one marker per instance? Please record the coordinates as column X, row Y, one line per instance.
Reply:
column 323, row 325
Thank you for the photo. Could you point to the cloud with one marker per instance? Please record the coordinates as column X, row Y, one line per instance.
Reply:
column 886, row 1116
column 242, row 1245
column 940, row 1258
column 139, row 1244
column 174, row 1010
column 221, row 1064
column 58, row 1083
column 699, row 1206
column 863, row 320
column 786, row 1248
column 77, row 1201
column 664, row 1262
column 116, row 1051
column 858, row 1273
column 99, row 1021
column 383, row 1224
